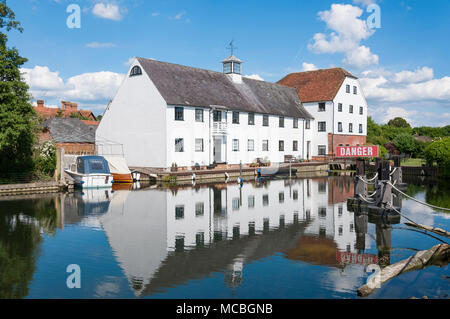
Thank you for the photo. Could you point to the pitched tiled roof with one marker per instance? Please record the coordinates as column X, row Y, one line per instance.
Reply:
column 70, row 130
column 319, row 85
column 182, row 85
column 49, row 112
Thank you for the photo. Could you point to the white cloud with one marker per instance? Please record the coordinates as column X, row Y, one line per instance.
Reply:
column 178, row 16
column 107, row 11
column 419, row 75
column 405, row 86
column 100, row 45
column 308, row 67
column 347, row 32
column 254, row 77
column 393, row 112
column 96, row 86
column 155, row 14
column 41, row 78
column 360, row 57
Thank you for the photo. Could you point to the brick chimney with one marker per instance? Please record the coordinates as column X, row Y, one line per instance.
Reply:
column 40, row 103
column 74, row 107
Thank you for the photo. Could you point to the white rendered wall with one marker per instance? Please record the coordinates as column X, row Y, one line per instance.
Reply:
column 136, row 118
column 320, row 138
column 345, row 116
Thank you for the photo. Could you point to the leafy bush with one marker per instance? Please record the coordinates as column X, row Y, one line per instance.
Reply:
column 439, row 152
column 45, row 161
column 399, row 122
column 405, row 143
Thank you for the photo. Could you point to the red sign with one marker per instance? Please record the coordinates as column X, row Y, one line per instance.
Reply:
column 354, row 258
column 357, row 151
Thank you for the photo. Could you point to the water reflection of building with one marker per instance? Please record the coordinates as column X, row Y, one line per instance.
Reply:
column 165, row 237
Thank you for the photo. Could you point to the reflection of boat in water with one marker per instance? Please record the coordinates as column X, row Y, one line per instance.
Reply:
column 275, row 170
column 91, row 172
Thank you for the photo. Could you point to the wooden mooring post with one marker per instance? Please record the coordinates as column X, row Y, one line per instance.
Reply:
column 380, row 202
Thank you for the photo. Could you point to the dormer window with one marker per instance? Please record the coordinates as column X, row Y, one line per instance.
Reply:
column 136, row 70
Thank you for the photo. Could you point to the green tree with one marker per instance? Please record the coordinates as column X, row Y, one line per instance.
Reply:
column 439, row 152
column 399, row 122
column 405, row 143
column 17, row 117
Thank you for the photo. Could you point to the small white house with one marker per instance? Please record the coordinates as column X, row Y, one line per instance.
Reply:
column 166, row 113
column 336, row 101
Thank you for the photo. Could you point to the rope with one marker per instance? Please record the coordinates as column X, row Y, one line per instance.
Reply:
column 393, row 171
column 374, row 193
column 423, row 203
column 364, row 199
column 364, row 181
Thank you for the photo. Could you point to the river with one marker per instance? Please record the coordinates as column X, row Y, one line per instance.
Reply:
column 273, row 239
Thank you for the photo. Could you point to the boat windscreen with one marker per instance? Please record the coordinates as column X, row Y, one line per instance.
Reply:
column 93, row 165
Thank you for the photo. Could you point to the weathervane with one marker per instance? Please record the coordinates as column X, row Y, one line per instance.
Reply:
column 231, row 47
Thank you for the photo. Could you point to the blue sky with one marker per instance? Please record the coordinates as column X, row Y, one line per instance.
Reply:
column 403, row 66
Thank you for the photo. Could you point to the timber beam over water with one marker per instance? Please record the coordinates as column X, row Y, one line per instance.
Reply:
column 222, row 174
column 34, row 188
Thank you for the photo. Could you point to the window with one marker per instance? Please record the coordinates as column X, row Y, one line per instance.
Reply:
column 217, row 116
column 295, row 194
column 227, row 67
column 179, row 212
column 295, row 123
column 235, row 117
column 339, row 107
column 251, row 201
column 355, row 90
column 322, row 150
column 265, row 145
column 265, row 120
column 179, row 145
column 350, row 109
column 322, row 187
column 251, row 118
column 350, row 127
column 339, row 126
column 281, row 121
column 179, row 114
column 281, row 146
column 322, row 212
column 347, row 88
column 136, row 71
column 322, row 126
column 235, row 145
column 308, row 124
column 281, row 197
column 199, row 145
column 265, row 200
column 360, row 128
column 294, row 146
column 199, row 209
column 237, row 68
column 200, row 239
column 235, row 203
column 251, row 145
column 361, row 110
column 340, row 230
column 199, row 115
column 321, row 107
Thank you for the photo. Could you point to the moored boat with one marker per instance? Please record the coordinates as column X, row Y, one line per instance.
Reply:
column 119, row 169
column 91, row 172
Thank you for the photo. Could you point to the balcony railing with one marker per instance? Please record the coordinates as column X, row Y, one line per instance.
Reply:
column 220, row 128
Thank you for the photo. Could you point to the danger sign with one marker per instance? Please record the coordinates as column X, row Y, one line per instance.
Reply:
column 357, row 151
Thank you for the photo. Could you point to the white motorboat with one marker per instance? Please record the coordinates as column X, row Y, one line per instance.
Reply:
column 91, row 172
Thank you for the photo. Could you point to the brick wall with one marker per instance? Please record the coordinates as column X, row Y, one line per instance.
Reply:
column 77, row 148
column 335, row 140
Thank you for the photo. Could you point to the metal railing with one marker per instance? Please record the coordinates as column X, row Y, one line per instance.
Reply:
column 220, row 128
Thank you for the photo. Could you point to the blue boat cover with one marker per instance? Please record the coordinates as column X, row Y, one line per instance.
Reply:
column 92, row 165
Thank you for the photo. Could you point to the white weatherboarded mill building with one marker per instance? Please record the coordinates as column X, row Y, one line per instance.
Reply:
column 166, row 113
